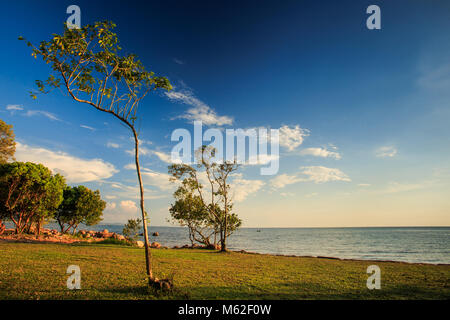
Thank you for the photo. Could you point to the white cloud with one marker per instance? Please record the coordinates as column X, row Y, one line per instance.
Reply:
column 316, row 174
column 143, row 151
column 14, row 107
column 87, row 127
column 320, row 152
column 158, row 179
column 320, row 174
column 364, row 185
column 386, row 152
column 74, row 169
column 110, row 197
column 47, row 114
column 283, row 180
column 166, row 157
column 112, row 145
column 154, row 178
column 200, row 111
column 292, row 137
column 128, row 206
column 242, row 188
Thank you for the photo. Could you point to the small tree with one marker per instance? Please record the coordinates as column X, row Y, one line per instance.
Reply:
column 7, row 143
column 189, row 211
column 50, row 203
column 24, row 192
column 86, row 63
column 132, row 229
column 219, row 208
column 80, row 205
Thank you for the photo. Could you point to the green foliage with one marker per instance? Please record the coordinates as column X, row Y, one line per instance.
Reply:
column 7, row 143
column 80, row 205
column 29, row 193
column 192, row 208
column 88, row 64
column 132, row 228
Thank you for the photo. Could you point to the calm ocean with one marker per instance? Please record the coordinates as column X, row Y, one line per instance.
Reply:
column 409, row 244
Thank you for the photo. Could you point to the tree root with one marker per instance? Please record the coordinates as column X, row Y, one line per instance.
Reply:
column 161, row 284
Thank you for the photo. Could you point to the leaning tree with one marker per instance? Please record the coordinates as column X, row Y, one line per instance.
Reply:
column 87, row 65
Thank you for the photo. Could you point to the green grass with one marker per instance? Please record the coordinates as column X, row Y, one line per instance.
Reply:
column 38, row 271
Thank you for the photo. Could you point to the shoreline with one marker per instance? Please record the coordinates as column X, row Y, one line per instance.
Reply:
column 75, row 241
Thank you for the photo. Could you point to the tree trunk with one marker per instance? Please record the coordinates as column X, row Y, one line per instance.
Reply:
column 144, row 214
column 224, row 242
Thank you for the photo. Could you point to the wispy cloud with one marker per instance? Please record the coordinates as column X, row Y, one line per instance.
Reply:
column 154, row 178
column 243, row 188
column 199, row 111
column 284, row 179
column 386, row 152
column 87, row 127
column 320, row 174
column 316, row 174
column 178, row 61
column 14, row 107
column 74, row 169
column 395, row 187
column 128, row 206
column 49, row 115
column 436, row 77
column 320, row 152
column 112, row 145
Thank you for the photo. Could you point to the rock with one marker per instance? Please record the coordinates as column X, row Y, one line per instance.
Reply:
column 155, row 245
column 82, row 232
column 140, row 244
column 118, row 236
column 155, row 234
column 176, row 247
column 105, row 231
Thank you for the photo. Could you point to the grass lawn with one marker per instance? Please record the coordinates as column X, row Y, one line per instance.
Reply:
column 38, row 271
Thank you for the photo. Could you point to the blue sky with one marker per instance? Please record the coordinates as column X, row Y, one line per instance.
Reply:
column 375, row 102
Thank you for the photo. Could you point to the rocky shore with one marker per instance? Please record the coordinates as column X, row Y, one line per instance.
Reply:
column 54, row 236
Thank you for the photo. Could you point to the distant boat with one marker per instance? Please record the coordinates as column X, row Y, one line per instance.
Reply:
column 258, row 230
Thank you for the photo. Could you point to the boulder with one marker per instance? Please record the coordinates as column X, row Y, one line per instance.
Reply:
column 155, row 245
column 140, row 244
column 105, row 231
column 118, row 236
column 155, row 234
